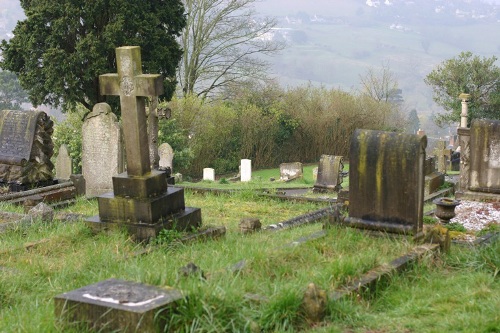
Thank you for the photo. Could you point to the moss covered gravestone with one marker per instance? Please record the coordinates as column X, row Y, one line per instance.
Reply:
column 141, row 200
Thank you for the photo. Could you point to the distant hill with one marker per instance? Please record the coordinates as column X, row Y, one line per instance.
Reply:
column 334, row 42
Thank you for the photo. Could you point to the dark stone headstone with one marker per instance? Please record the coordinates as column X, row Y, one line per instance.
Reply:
column 117, row 306
column 386, row 181
column 25, row 149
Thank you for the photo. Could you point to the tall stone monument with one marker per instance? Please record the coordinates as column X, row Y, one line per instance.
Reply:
column 142, row 201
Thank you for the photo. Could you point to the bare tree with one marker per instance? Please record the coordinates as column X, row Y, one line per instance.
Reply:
column 223, row 44
column 381, row 85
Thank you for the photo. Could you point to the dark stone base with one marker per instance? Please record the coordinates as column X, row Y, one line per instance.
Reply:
column 184, row 220
column 381, row 226
column 140, row 210
column 325, row 188
column 117, row 306
column 477, row 196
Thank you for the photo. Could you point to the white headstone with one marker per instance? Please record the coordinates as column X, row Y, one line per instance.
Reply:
column 315, row 173
column 102, row 150
column 208, row 174
column 246, row 170
column 64, row 164
column 166, row 154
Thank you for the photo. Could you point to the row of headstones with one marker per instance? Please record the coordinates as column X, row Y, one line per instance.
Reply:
column 102, row 142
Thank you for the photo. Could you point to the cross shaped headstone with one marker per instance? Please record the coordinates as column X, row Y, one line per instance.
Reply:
column 132, row 86
column 443, row 156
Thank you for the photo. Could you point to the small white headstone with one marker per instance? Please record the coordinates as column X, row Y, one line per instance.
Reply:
column 166, row 156
column 102, row 150
column 64, row 164
column 246, row 170
column 208, row 174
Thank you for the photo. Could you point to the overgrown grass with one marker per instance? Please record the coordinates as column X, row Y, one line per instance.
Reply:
column 264, row 292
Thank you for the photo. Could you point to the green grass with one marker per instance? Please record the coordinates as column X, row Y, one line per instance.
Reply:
column 261, row 179
column 459, row 292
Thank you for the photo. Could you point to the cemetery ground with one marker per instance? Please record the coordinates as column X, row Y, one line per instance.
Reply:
column 253, row 282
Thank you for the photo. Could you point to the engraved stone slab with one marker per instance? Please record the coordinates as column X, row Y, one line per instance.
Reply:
column 117, row 305
column 290, row 171
column 26, row 147
column 102, row 150
column 17, row 131
column 386, row 181
column 166, row 156
column 64, row 164
column 485, row 156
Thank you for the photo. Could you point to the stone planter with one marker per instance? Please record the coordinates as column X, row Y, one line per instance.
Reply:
column 445, row 209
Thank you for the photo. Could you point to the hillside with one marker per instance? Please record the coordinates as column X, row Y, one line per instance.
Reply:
column 334, row 42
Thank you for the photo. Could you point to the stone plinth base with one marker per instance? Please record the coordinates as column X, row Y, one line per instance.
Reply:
column 117, row 306
column 477, row 196
column 114, row 208
column 184, row 220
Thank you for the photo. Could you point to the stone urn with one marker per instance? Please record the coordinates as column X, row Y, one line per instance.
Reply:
column 445, row 209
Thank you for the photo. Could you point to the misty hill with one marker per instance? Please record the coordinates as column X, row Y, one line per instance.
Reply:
column 334, row 42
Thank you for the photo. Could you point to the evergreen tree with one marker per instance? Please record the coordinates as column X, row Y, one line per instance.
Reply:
column 61, row 48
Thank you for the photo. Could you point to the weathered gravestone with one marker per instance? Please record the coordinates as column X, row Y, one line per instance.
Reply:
column 64, row 164
column 433, row 178
column 291, row 171
column 481, row 162
column 117, row 306
column 329, row 177
column 141, row 201
column 25, row 149
column 102, row 150
column 166, row 154
column 386, row 181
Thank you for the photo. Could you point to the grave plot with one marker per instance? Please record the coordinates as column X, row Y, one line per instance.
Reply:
column 256, row 278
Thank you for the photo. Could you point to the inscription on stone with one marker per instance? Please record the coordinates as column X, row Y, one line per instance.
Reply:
column 17, row 130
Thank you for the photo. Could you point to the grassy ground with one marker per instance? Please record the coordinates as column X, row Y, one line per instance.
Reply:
column 457, row 292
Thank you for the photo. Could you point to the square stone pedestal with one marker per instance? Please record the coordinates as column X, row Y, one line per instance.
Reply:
column 117, row 306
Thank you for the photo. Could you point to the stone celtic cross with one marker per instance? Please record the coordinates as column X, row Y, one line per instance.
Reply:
column 132, row 86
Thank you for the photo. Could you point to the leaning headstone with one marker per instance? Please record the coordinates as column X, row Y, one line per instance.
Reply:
column 330, row 177
column 64, row 163
column 386, row 181
column 117, row 306
column 291, row 171
column 25, row 149
column 141, row 201
column 483, row 173
column 102, row 150
column 433, row 178
column 246, row 170
column 209, row 174
column 166, row 154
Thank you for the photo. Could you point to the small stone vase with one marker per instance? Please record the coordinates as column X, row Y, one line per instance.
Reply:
column 445, row 209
